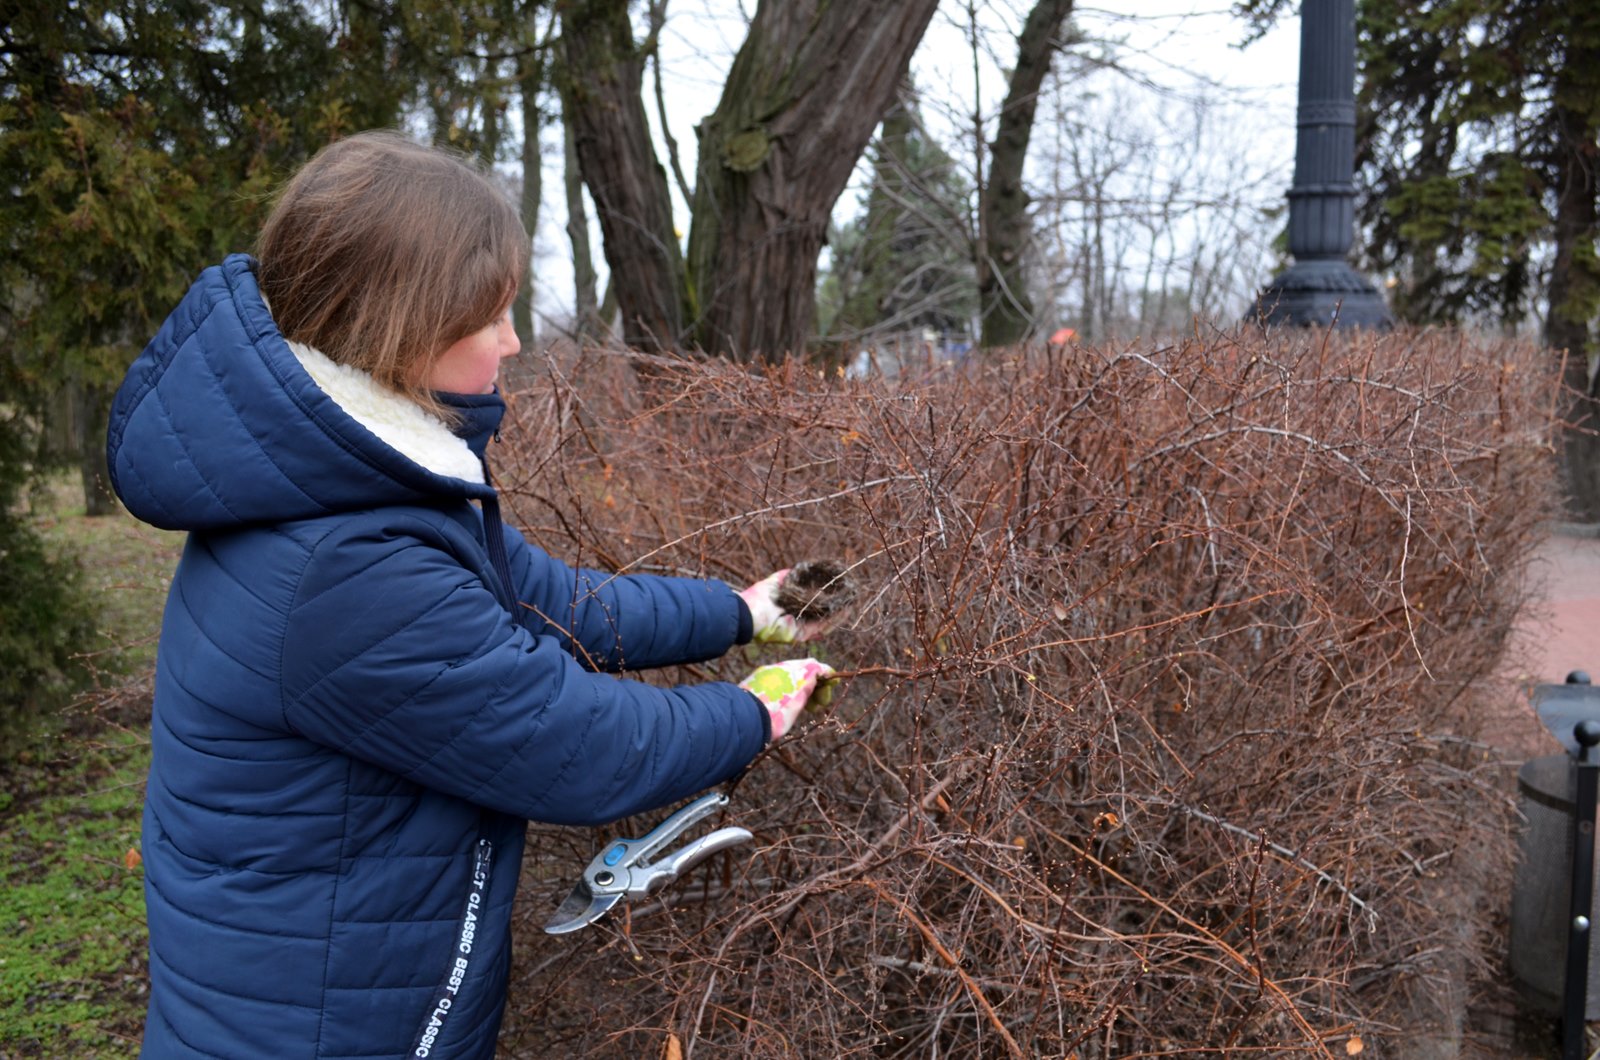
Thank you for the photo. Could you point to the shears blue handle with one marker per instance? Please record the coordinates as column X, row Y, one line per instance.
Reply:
column 624, row 869
column 625, row 866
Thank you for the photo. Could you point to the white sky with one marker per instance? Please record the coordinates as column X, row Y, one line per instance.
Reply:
column 1175, row 48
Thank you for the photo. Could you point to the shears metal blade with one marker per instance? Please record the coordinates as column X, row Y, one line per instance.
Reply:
column 628, row 868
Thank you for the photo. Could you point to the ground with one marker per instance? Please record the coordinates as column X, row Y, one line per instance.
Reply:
column 72, row 971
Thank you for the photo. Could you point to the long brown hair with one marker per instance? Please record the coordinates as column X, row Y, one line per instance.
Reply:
column 381, row 252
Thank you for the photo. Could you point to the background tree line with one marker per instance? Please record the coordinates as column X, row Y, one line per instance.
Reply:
column 139, row 142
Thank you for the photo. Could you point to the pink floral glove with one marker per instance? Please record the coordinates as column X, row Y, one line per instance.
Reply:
column 797, row 603
column 772, row 624
column 787, row 688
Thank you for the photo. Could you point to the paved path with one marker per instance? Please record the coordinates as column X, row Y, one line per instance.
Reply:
column 1559, row 632
column 1567, row 637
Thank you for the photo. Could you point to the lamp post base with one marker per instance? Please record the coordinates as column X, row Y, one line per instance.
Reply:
column 1322, row 293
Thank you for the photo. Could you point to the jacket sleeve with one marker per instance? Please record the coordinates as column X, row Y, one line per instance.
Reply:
column 627, row 622
column 397, row 654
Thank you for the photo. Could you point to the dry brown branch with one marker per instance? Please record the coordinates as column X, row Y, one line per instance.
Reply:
column 1161, row 685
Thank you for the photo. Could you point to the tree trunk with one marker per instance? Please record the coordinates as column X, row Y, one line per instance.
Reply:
column 604, row 74
column 530, row 80
column 91, row 411
column 1574, row 290
column 489, row 100
column 810, row 83
column 586, row 325
column 1007, row 311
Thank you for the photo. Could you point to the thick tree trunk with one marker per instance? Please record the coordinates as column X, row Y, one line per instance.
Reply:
column 1574, row 294
column 806, row 90
column 1007, row 312
column 611, row 135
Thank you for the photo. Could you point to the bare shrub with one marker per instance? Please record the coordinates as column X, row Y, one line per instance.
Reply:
column 1157, row 731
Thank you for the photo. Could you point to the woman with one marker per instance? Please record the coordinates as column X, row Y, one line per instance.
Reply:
column 365, row 684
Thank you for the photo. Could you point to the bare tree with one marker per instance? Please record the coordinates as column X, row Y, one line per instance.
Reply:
column 805, row 92
column 1004, row 229
column 801, row 101
column 1156, row 212
column 611, row 137
column 990, row 224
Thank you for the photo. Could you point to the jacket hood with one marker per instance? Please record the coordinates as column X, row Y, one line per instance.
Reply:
column 219, row 423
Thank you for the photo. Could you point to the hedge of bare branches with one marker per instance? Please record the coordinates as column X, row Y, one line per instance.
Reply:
column 1156, row 737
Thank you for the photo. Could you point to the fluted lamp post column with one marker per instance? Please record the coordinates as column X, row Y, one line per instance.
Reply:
column 1321, row 287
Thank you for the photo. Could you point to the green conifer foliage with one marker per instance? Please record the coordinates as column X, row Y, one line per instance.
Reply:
column 140, row 142
column 905, row 264
column 1462, row 148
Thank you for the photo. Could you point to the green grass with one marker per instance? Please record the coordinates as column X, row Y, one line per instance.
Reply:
column 72, row 972
column 72, row 969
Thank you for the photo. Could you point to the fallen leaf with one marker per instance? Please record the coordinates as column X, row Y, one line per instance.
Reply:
column 132, row 859
column 1353, row 1047
column 673, row 1050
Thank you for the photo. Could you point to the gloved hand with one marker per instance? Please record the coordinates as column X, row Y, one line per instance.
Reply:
column 772, row 624
column 787, row 688
column 810, row 588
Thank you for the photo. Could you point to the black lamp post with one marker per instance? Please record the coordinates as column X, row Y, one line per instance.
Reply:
column 1321, row 287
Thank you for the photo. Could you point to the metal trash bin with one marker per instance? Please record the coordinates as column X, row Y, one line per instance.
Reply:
column 1560, row 795
column 1542, row 893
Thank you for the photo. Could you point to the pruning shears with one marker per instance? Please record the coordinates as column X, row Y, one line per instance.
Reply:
column 626, row 869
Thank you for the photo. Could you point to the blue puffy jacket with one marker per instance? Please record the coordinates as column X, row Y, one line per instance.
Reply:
column 354, row 716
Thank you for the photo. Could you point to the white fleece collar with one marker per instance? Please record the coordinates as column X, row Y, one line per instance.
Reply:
column 405, row 427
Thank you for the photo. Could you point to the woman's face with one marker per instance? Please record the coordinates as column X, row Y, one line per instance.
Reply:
column 471, row 364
